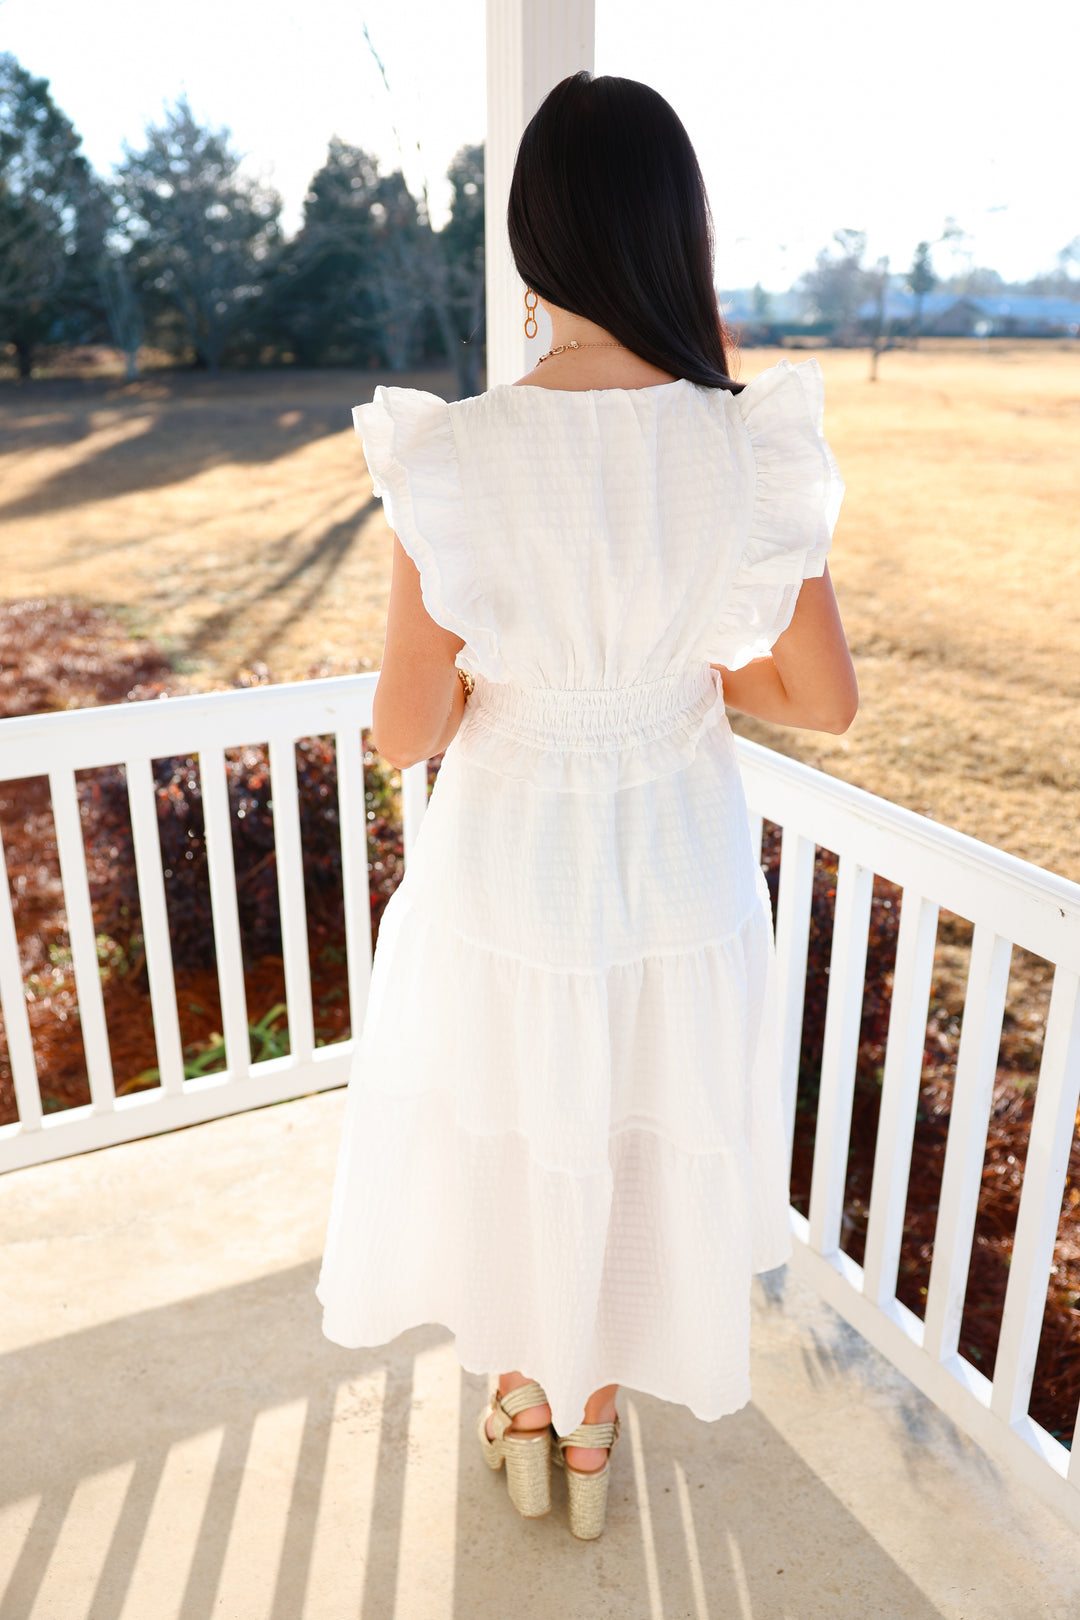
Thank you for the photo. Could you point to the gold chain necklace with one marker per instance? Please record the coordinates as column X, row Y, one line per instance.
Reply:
column 574, row 344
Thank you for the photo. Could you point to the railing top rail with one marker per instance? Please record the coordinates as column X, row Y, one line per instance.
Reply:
column 78, row 739
column 817, row 795
column 819, row 805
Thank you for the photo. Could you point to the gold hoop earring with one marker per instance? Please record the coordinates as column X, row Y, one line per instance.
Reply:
column 530, row 319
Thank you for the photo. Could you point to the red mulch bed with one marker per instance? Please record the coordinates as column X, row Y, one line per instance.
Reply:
column 67, row 655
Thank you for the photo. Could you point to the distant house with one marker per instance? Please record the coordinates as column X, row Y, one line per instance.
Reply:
column 765, row 320
column 1028, row 315
column 947, row 314
column 741, row 307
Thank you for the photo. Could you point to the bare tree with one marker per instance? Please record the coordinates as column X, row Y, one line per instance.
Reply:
column 392, row 289
column 451, row 261
column 838, row 283
column 1060, row 282
column 454, row 266
column 123, row 309
column 880, row 276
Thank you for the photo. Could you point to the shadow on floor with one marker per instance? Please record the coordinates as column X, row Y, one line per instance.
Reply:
column 220, row 1457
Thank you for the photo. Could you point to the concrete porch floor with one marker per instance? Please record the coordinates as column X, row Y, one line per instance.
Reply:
column 179, row 1441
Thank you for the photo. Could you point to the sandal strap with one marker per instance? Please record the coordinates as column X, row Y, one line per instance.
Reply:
column 519, row 1400
column 590, row 1435
column 506, row 1407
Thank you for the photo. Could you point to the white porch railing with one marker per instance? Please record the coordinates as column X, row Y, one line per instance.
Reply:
column 134, row 735
column 1007, row 900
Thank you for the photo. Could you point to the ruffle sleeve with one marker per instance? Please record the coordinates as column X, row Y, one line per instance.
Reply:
column 797, row 494
column 408, row 441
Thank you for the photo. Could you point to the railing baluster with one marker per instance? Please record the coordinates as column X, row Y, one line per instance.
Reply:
column 290, row 876
column 792, row 943
column 414, row 798
column 80, row 916
column 352, row 819
column 904, row 1051
column 16, row 1018
column 1047, row 1164
column 757, row 823
column 976, row 1066
column 230, row 961
column 155, row 923
column 843, row 1014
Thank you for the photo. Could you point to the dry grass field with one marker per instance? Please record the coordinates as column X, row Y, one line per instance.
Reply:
column 957, row 565
column 232, row 521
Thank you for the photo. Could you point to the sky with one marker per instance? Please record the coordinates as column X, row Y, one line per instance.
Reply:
column 806, row 117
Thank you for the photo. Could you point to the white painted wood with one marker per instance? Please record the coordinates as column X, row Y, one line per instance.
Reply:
column 531, row 46
column 352, row 819
column 290, row 881
column 414, row 800
column 149, row 1113
column 757, row 824
column 976, row 1065
column 84, row 958
column 904, row 1050
column 230, row 962
column 155, row 922
column 1052, row 1128
column 1034, row 908
column 137, row 733
column 840, row 1050
column 180, row 725
column 792, row 941
column 13, row 1006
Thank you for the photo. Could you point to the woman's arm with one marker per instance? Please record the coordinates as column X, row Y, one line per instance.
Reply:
column 419, row 700
column 808, row 680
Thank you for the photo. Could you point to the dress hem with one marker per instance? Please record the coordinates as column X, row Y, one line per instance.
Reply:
column 351, row 1342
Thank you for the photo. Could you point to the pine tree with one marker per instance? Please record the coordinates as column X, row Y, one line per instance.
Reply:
column 920, row 280
column 53, row 215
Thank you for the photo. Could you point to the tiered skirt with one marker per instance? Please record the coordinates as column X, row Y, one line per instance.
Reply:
column 563, row 1135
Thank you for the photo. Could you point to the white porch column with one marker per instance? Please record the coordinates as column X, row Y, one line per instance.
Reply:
column 531, row 45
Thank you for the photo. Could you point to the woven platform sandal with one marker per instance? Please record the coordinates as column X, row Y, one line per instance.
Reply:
column 527, row 1453
column 586, row 1493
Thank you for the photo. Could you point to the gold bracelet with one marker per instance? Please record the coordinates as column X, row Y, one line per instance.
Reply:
column 467, row 679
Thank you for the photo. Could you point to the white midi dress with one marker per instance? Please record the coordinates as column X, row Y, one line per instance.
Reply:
column 563, row 1135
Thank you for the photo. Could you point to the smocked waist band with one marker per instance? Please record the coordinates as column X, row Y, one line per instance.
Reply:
column 592, row 719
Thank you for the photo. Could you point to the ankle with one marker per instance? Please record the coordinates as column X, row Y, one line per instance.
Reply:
column 601, row 1405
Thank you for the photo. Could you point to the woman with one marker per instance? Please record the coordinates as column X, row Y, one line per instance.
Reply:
column 563, row 1136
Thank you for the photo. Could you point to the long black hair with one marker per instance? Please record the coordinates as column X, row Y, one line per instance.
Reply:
column 609, row 218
